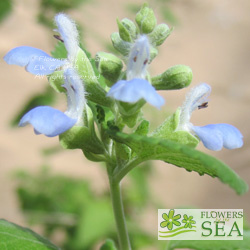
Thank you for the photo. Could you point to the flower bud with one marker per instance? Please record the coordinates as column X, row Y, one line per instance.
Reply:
column 176, row 77
column 109, row 66
column 123, row 32
column 130, row 26
column 146, row 19
column 160, row 34
column 120, row 45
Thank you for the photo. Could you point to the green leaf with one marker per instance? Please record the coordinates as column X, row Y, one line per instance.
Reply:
column 13, row 236
column 213, row 244
column 150, row 148
column 108, row 245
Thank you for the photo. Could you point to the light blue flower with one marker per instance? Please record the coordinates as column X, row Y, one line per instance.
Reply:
column 38, row 62
column 52, row 122
column 216, row 136
column 213, row 136
column 48, row 121
column 136, row 87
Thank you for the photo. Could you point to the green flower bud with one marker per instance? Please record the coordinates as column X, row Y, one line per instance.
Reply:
column 176, row 77
column 146, row 19
column 130, row 26
column 120, row 45
column 123, row 32
column 109, row 66
column 160, row 34
column 95, row 92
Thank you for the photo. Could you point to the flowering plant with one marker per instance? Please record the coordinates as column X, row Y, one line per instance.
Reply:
column 106, row 98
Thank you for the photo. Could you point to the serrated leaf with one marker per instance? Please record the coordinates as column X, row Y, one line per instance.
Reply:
column 212, row 244
column 13, row 236
column 149, row 148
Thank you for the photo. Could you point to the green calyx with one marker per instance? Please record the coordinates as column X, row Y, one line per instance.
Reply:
column 130, row 27
column 167, row 130
column 81, row 137
column 160, row 34
column 176, row 77
column 95, row 92
column 146, row 19
column 119, row 44
column 127, row 30
column 130, row 112
column 109, row 66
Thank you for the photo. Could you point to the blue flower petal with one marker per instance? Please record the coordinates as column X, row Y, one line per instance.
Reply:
column 134, row 90
column 48, row 121
column 36, row 61
column 215, row 136
column 232, row 137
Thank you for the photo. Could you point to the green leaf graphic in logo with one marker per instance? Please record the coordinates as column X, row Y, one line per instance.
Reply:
column 170, row 220
column 188, row 221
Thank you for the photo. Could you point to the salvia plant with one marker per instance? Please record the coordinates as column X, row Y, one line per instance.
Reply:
column 105, row 95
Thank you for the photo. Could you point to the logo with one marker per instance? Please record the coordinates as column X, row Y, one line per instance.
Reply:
column 200, row 224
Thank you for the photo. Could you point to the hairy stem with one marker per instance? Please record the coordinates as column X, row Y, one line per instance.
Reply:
column 117, row 203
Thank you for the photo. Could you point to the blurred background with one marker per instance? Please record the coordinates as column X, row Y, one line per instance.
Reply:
column 210, row 36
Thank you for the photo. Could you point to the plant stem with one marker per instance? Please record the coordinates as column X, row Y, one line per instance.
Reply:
column 116, row 197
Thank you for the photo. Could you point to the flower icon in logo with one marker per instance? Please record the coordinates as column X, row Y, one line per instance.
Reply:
column 188, row 221
column 170, row 220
